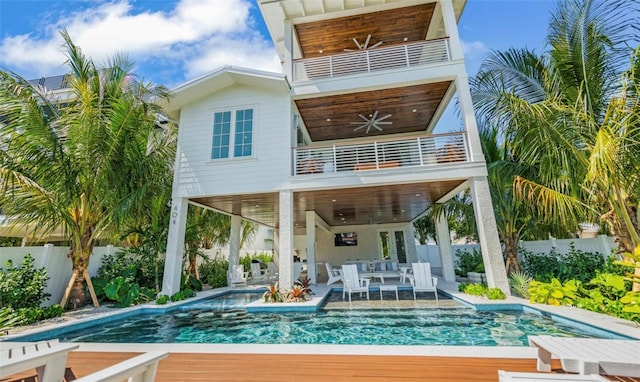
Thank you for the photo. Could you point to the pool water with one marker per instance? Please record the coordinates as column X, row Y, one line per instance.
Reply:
column 223, row 320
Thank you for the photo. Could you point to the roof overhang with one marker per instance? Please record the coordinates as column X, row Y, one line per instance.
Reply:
column 219, row 79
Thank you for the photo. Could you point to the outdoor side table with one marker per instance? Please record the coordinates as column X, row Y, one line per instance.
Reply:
column 388, row 288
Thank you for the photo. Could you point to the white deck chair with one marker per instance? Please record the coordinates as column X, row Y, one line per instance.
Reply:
column 335, row 274
column 48, row 358
column 422, row 281
column 257, row 274
column 272, row 271
column 141, row 368
column 352, row 281
column 510, row 376
column 237, row 276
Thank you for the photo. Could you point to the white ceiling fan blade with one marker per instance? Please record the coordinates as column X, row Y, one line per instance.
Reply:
column 362, row 126
column 375, row 125
column 377, row 44
column 383, row 123
column 383, row 118
column 366, row 43
column 348, row 50
column 374, row 116
column 363, row 117
column 357, row 44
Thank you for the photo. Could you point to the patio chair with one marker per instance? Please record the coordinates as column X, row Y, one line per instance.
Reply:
column 141, row 368
column 257, row 273
column 510, row 376
column 335, row 274
column 422, row 281
column 352, row 283
column 47, row 357
column 237, row 276
column 272, row 271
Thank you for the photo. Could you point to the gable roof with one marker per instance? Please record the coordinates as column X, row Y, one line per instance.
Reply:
column 219, row 79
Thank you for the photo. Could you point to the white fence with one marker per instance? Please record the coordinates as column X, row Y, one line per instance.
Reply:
column 55, row 261
column 602, row 244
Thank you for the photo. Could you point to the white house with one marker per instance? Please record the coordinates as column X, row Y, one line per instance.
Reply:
column 339, row 148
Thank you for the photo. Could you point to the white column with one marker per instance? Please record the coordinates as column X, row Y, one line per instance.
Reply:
column 488, row 234
column 175, row 247
column 285, row 236
column 311, row 245
column 451, row 29
column 469, row 119
column 287, row 64
column 444, row 247
column 234, row 244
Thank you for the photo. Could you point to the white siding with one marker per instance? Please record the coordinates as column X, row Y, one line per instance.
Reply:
column 267, row 170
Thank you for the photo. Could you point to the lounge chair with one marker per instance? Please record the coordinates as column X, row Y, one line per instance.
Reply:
column 422, row 281
column 237, row 276
column 335, row 274
column 272, row 271
column 352, row 283
column 257, row 274
column 141, row 368
column 509, row 376
column 589, row 355
column 48, row 358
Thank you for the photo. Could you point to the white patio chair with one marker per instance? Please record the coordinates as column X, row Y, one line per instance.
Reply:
column 141, row 368
column 237, row 276
column 352, row 283
column 257, row 273
column 272, row 271
column 335, row 274
column 47, row 357
column 422, row 281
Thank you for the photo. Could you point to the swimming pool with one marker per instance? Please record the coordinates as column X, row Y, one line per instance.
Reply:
column 223, row 320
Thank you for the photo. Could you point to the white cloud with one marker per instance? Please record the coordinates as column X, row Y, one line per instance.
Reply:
column 473, row 48
column 198, row 35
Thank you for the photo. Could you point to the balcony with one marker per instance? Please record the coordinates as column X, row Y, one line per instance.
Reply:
column 367, row 61
column 425, row 150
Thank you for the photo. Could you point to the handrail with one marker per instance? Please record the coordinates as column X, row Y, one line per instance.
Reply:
column 423, row 150
column 366, row 61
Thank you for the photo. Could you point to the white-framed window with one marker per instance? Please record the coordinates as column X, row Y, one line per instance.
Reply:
column 232, row 134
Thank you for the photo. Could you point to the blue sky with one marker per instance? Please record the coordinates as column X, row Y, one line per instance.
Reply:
column 173, row 41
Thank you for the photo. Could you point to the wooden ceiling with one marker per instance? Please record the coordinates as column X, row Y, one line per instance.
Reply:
column 349, row 206
column 412, row 109
column 326, row 37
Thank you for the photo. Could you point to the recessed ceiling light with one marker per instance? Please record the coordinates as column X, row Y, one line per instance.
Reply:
column 328, row 119
column 342, row 219
column 257, row 205
column 322, row 51
column 417, row 194
column 406, row 39
column 333, row 200
column 402, row 210
column 414, row 110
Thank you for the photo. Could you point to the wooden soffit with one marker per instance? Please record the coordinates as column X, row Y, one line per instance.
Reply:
column 412, row 108
column 395, row 26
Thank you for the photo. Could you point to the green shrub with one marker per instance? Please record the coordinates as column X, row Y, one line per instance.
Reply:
column 23, row 286
column 468, row 262
column 9, row 318
column 125, row 293
column 554, row 292
column 475, row 289
column 519, row 282
column 162, row 299
column 495, row 294
column 214, row 272
column 576, row 265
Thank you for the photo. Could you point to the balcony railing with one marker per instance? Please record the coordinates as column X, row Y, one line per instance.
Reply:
column 366, row 61
column 427, row 150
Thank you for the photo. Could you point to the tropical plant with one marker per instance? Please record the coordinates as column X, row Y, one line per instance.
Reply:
column 86, row 163
column 9, row 319
column 467, row 262
column 495, row 294
column 273, row 294
column 22, row 286
column 214, row 272
column 519, row 282
column 572, row 114
column 576, row 264
column 554, row 292
column 475, row 289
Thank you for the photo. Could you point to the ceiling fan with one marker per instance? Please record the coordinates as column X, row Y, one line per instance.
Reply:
column 371, row 121
column 364, row 46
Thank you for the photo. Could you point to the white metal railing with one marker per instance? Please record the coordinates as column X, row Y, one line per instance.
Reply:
column 365, row 61
column 426, row 150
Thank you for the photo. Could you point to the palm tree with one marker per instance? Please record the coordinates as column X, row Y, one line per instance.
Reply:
column 85, row 162
column 571, row 113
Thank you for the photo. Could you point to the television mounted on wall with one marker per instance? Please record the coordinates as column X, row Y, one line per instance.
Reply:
column 346, row 239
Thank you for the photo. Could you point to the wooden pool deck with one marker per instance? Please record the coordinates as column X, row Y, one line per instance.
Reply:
column 305, row 367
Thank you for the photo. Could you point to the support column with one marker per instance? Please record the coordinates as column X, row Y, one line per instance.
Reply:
column 175, row 247
column 469, row 119
column 285, row 235
column 451, row 29
column 234, row 244
column 311, row 245
column 488, row 235
column 287, row 64
column 444, row 247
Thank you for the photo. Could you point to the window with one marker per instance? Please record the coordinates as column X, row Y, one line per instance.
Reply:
column 232, row 129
